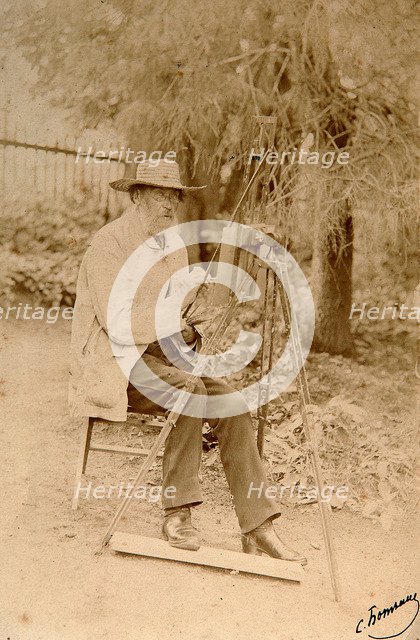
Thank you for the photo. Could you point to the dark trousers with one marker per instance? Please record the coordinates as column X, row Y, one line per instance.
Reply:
column 182, row 455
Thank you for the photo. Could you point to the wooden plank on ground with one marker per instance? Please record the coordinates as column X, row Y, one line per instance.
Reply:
column 207, row 556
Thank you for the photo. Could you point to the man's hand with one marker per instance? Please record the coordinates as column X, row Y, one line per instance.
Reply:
column 188, row 332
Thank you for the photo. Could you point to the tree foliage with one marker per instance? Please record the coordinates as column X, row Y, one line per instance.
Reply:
column 176, row 75
column 338, row 75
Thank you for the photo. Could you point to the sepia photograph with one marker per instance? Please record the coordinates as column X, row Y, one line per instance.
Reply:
column 209, row 320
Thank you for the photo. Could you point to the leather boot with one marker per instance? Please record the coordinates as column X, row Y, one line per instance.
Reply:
column 264, row 539
column 178, row 530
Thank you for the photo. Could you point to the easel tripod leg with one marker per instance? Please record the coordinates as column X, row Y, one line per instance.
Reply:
column 304, row 398
column 266, row 353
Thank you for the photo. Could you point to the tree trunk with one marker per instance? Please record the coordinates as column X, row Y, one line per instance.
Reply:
column 332, row 284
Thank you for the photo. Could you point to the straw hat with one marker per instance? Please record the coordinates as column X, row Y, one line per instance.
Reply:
column 160, row 173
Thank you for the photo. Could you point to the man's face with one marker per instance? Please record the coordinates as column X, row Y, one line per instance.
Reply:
column 162, row 206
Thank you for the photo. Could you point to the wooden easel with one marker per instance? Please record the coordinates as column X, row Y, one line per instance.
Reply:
column 263, row 136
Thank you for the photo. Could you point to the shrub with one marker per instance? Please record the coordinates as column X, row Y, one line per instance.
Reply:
column 42, row 246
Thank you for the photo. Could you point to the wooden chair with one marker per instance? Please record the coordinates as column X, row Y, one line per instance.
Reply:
column 86, row 446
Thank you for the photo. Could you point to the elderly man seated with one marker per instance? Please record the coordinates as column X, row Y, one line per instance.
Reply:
column 99, row 388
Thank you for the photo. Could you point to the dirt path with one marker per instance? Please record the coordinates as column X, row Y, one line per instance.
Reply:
column 53, row 587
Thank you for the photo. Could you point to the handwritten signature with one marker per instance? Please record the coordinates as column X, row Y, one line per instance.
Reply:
column 376, row 614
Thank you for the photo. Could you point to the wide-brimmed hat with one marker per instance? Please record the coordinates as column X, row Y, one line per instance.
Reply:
column 159, row 173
